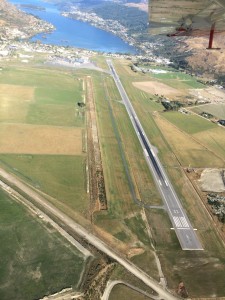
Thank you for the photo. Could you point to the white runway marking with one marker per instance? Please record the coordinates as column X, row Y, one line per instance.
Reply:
column 177, row 221
column 180, row 222
column 184, row 222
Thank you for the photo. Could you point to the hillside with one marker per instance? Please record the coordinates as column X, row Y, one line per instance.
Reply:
column 16, row 24
column 202, row 61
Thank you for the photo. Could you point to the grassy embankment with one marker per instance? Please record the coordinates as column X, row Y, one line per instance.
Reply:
column 35, row 259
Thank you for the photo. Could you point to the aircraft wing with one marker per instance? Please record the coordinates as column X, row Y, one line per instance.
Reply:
column 187, row 16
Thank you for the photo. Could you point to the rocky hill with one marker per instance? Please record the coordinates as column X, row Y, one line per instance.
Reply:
column 16, row 24
column 210, row 63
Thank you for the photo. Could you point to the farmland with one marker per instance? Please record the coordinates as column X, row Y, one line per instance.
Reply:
column 41, row 132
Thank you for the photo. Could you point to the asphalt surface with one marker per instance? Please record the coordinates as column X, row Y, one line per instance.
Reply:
column 181, row 224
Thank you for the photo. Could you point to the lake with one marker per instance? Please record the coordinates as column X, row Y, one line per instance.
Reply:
column 71, row 32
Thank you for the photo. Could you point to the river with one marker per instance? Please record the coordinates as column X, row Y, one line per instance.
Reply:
column 71, row 32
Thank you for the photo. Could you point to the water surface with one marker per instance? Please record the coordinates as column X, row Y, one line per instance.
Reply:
column 71, row 32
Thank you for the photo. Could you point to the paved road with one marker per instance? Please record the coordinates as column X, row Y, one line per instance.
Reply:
column 182, row 226
column 84, row 234
column 111, row 284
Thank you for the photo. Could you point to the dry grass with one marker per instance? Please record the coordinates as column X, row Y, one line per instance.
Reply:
column 14, row 102
column 214, row 139
column 36, row 139
column 211, row 62
column 211, row 94
column 16, row 92
column 155, row 87
column 187, row 150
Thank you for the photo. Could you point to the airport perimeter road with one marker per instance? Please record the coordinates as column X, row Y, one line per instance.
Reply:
column 182, row 226
column 70, row 224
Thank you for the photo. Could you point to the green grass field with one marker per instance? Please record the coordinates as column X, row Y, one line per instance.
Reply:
column 217, row 110
column 179, row 80
column 189, row 123
column 61, row 177
column 46, row 97
column 34, row 260
column 55, row 96
column 123, row 217
column 121, row 292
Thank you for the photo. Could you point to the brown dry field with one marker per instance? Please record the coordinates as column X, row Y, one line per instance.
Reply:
column 214, row 139
column 155, row 87
column 10, row 92
column 36, row 139
column 187, row 150
column 14, row 102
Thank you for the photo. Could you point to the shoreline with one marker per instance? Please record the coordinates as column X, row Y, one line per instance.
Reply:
column 95, row 21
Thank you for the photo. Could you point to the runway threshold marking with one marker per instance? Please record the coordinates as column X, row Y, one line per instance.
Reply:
column 180, row 222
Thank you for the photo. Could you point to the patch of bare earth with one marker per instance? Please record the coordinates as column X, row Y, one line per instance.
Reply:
column 39, row 139
column 36, row 274
column 211, row 181
column 210, row 94
column 135, row 251
column 206, row 177
column 155, row 87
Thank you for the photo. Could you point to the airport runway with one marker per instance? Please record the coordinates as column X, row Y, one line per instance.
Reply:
column 181, row 224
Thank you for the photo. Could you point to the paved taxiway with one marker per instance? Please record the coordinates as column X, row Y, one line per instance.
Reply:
column 181, row 224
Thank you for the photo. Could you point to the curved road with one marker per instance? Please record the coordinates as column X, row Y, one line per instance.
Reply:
column 182, row 226
column 111, row 284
